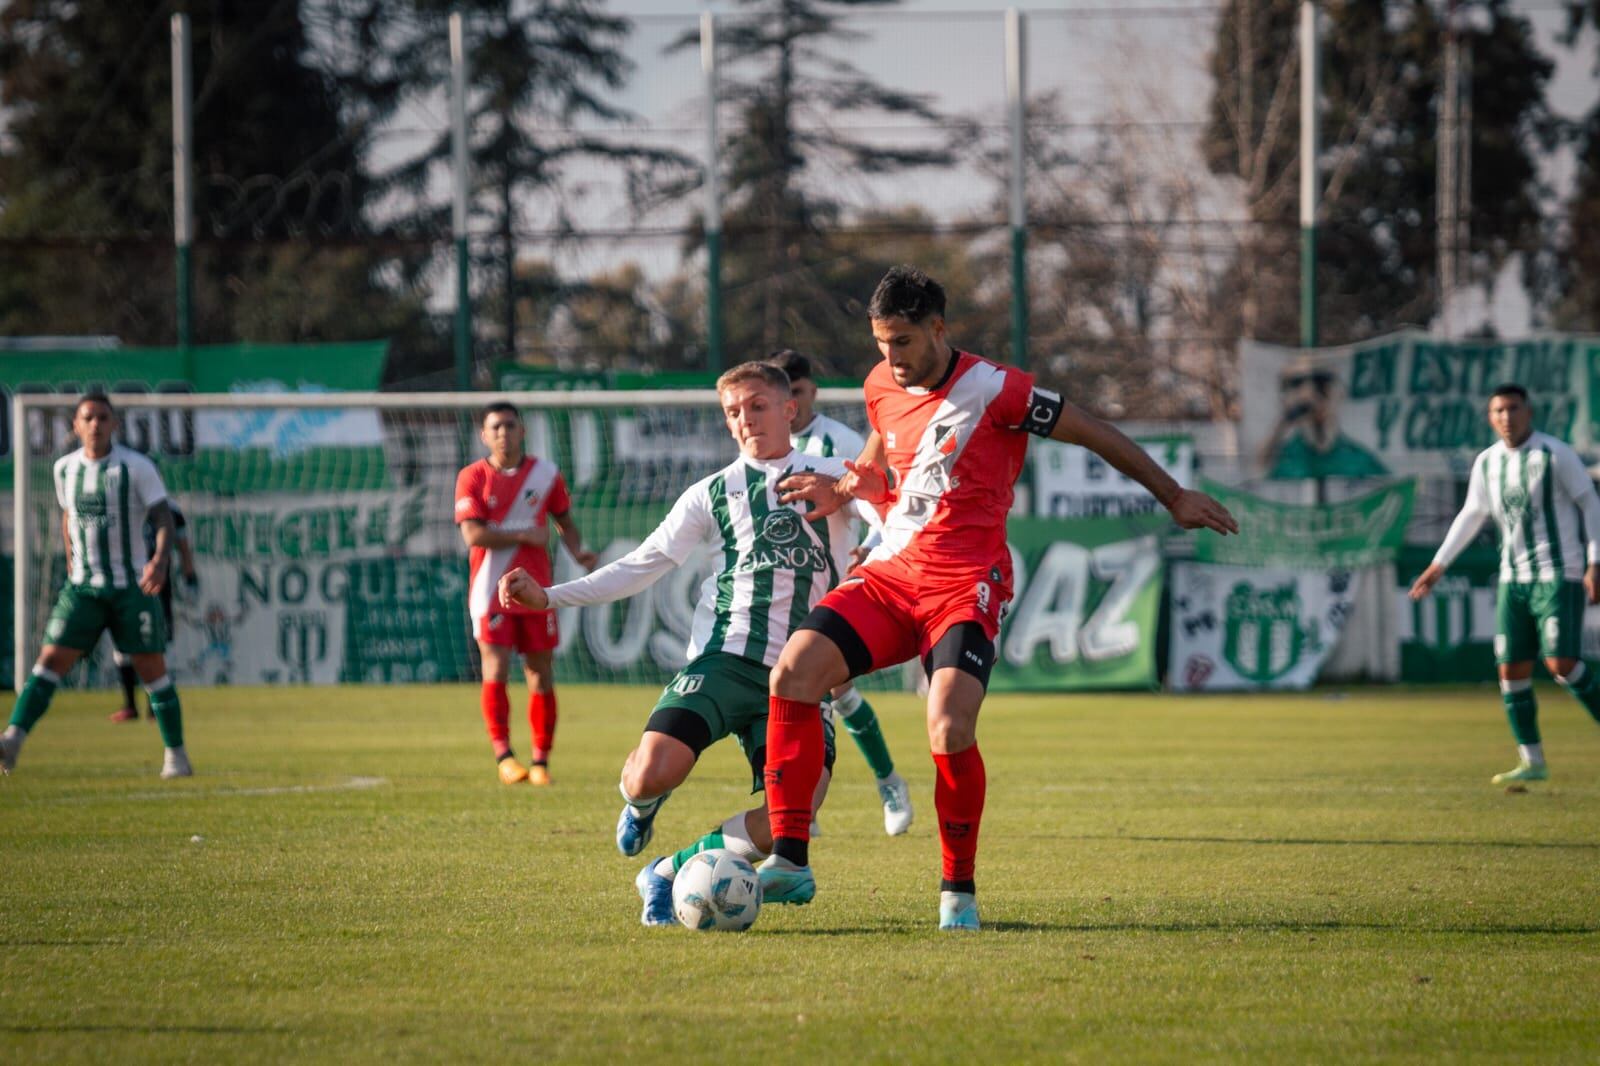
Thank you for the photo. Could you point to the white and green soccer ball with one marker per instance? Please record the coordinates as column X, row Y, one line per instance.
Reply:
column 716, row 891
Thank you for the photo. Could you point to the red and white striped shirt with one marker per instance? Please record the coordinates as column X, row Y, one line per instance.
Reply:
column 956, row 451
column 516, row 499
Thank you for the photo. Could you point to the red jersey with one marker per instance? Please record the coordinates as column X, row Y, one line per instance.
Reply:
column 956, row 451
column 508, row 499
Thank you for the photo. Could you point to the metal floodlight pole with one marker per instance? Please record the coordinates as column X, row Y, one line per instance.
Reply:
column 708, row 63
column 182, row 183
column 1310, row 84
column 1016, row 99
column 458, row 214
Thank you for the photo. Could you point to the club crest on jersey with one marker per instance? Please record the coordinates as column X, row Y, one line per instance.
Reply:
column 781, row 527
column 944, row 439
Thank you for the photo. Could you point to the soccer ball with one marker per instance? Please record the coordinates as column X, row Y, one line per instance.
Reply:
column 716, row 891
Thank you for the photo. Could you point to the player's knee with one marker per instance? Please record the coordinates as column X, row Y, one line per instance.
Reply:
column 1561, row 669
column 792, row 679
column 947, row 733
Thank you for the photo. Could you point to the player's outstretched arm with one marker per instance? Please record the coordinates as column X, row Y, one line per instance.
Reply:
column 1425, row 581
column 519, row 589
column 1189, row 508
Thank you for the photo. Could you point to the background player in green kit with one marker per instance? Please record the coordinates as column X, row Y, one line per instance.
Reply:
column 1537, row 491
column 771, row 566
column 814, row 433
column 106, row 493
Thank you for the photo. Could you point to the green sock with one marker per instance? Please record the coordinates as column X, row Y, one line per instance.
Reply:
column 35, row 699
column 731, row 834
column 864, row 730
column 169, row 714
column 1521, row 710
column 1584, row 684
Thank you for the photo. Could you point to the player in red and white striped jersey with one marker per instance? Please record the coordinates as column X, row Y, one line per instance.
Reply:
column 949, row 435
column 503, row 504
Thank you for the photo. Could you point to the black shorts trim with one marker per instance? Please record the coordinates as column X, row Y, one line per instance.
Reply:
column 966, row 647
column 680, row 723
column 832, row 624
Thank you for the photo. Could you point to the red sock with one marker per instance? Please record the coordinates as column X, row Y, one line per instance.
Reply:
column 958, row 794
column 497, row 716
column 794, row 764
column 542, row 720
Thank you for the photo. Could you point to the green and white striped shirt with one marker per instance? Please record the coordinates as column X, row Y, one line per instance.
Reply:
column 769, row 565
column 1540, row 496
column 106, row 501
column 828, row 437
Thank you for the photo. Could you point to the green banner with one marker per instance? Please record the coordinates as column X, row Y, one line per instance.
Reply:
column 239, row 450
column 1405, row 404
column 1448, row 635
column 1337, row 536
column 1084, row 611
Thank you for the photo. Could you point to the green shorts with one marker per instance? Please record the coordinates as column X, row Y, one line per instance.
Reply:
column 728, row 694
column 83, row 612
column 1539, row 620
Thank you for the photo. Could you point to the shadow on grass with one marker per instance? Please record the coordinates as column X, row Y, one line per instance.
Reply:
column 187, row 1030
column 1325, row 926
column 1313, row 842
column 1220, row 926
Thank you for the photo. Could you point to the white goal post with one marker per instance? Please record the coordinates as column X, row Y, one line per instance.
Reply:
column 323, row 528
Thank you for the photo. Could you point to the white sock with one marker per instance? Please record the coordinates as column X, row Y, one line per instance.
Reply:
column 14, row 732
column 664, row 868
column 849, row 703
column 178, row 751
column 643, row 806
column 736, row 838
column 1532, row 754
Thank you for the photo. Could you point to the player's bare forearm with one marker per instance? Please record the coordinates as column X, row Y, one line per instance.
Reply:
column 480, row 535
column 572, row 538
column 1591, row 583
column 1077, row 426
column 155, row 571
column 1189, row 509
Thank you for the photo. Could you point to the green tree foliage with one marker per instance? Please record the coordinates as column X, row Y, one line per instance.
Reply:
column 790, row 275
column 86, row 174
column 1381, row 78
column 538, row 111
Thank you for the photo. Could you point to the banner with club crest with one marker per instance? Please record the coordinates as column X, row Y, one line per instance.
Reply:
column 1235, row 627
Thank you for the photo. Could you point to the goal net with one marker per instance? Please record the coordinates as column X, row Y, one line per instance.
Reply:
column 323, row 533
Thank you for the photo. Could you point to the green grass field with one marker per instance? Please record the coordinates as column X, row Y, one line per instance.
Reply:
column 1251, row 879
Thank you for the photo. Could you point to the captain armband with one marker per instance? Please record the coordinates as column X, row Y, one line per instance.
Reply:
column 1044, row 411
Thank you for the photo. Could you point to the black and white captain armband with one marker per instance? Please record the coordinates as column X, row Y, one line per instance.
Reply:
column 1044, row 411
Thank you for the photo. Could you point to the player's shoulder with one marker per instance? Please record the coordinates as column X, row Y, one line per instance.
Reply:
column 831, row 465
column 1558, row 448
column 71, row 459
column 474, row 471
column 134, row 460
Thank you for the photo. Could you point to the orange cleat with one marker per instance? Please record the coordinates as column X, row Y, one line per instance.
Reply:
column 512, row 772
column 538, row 774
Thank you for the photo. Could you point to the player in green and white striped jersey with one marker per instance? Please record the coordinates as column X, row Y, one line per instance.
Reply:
column 813, row 433
column 770, row 567
column 1539, row 494
column 107, row 493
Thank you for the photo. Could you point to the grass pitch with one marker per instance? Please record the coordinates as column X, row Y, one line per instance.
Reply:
column 1243, row 878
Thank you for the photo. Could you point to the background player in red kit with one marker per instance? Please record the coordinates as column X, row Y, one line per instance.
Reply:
column 949, row 432
column 502, row 504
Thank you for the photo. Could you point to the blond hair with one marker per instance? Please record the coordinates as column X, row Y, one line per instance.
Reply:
column 754, row 371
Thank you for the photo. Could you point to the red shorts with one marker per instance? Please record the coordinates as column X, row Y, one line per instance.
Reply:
column 897, row 620
column 527, row 633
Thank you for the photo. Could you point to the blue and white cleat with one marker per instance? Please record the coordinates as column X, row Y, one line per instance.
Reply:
column 958, row 910
column 656, row 891
column 784, row 882
column 895, row 795
column 634, row 829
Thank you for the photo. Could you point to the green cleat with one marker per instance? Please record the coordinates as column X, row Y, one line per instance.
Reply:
column 784, row 882
column 1524, row 772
